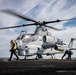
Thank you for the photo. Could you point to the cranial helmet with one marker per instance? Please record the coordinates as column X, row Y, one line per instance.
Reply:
column 12, row 40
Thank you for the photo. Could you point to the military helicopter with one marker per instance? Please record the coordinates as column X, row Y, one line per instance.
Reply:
column 38, row 42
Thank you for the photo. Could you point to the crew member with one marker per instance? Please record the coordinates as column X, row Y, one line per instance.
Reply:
column 13, row 49
column 69, row 53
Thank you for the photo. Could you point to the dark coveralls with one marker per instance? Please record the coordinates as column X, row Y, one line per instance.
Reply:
column 13, row 50
column 69, row 53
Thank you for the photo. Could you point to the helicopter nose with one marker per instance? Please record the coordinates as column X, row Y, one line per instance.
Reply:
column 19, row 43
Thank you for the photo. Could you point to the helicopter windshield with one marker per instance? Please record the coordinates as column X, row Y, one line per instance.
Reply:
column 22, row 35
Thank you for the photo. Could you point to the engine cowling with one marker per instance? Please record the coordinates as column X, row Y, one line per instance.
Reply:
column 49, row 39
column 47, row 45
column 58, row 48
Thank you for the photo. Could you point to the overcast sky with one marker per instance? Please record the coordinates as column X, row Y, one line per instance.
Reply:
column 40, row 10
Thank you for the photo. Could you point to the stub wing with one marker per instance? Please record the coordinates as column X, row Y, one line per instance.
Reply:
column 53, row 53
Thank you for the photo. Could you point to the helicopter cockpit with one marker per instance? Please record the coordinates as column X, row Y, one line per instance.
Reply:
column 22, row 35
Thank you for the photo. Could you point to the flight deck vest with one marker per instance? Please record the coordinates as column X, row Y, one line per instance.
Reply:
column 13, row 45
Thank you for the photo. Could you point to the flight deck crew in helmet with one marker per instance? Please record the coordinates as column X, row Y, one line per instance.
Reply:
column 69, row 53
column 13, row 50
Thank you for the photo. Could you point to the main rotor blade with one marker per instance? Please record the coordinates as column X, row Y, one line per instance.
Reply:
column 59, row 20
column 17, row 14
column 16, row 26
column 53, row 28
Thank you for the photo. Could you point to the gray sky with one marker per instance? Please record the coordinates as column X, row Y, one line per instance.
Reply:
column 40, row 10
